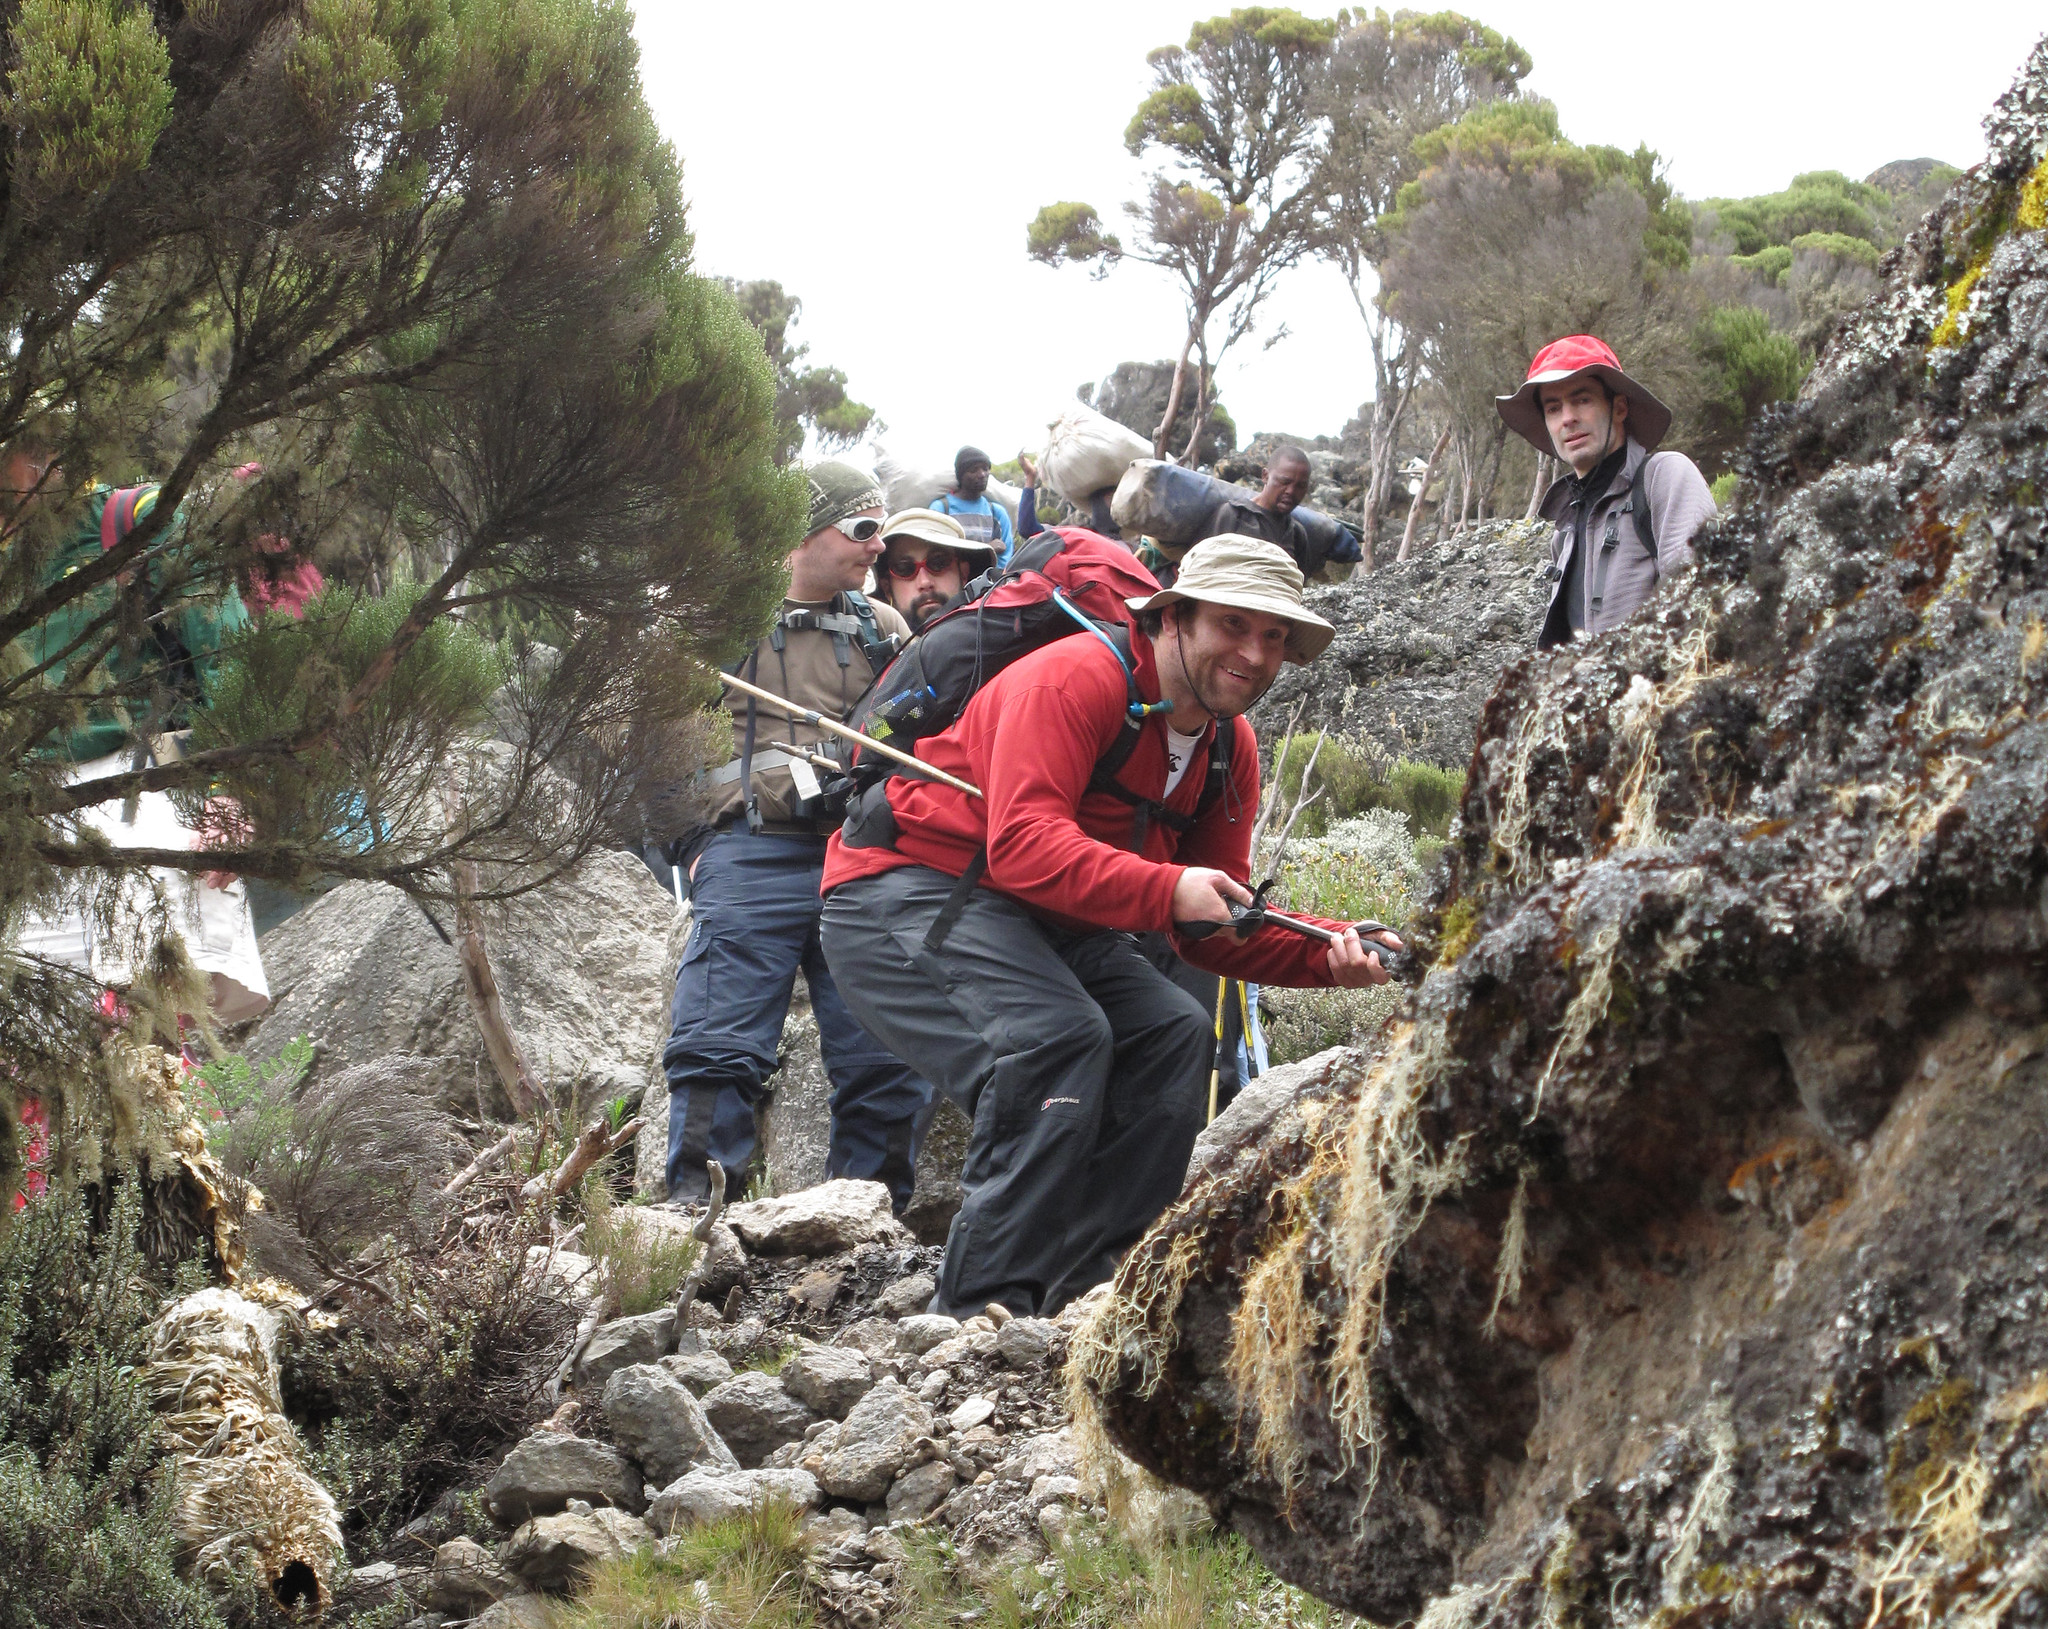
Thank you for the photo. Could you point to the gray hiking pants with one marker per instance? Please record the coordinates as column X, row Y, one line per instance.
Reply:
column 1083, row 1067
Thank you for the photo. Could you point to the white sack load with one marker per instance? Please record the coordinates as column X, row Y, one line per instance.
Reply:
column 219, row 933
column 913, row 486
column 1086, row 451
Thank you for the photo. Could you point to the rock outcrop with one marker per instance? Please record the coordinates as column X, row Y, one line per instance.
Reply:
column 1682, row 1258
column 586, row 965
column 1421, row 645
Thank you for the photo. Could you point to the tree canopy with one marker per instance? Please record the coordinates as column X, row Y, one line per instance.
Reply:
column 406, row 286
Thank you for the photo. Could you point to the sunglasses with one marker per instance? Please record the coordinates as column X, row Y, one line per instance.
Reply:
column 902, row 566
column 861, row 528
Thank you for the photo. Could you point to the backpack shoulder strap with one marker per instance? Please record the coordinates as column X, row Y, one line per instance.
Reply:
column 1639, row 508
column 1218, row 776
column 879, row 648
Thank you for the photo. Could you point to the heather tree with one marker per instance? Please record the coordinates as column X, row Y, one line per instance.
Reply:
column 1234, row 117
column 410, row 272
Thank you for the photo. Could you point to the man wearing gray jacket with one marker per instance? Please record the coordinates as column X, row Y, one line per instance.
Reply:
column 1625, row 516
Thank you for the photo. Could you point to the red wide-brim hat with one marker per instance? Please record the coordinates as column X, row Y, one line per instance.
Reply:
column 1649, row 420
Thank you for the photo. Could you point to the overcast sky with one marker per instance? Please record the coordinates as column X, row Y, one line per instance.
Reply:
column 882, row 161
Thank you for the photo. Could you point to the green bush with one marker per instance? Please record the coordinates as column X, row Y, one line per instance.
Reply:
column 1723, row 489
column 1351, row 783
column 85, row 1537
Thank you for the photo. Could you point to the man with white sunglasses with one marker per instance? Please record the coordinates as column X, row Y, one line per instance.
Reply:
column 754, row 871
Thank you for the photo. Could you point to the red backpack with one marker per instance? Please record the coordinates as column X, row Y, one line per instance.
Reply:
column 1065, row 583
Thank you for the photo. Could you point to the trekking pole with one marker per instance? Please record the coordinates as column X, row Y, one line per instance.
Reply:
column 819, row 721
column 1216, row 1058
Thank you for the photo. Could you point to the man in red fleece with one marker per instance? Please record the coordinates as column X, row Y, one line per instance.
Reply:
column 1027, row 998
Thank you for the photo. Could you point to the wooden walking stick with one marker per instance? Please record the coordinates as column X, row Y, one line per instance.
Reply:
column 832, row 726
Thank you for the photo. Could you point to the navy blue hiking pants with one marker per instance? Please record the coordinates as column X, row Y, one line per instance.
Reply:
column 756, row 907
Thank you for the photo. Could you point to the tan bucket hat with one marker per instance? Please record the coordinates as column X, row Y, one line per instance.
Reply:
column 929, row 526
column 1253, row 575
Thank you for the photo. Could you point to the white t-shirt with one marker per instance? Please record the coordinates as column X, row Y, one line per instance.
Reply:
column 1180, row 752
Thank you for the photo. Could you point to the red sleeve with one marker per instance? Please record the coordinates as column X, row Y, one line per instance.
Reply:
column 1272, row 955
column 1036, row 765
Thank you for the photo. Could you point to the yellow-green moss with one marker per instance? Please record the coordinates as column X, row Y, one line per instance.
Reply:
column 1943, row 1412
column 1950, row 330
column 2029, row 214
column 1460, row 931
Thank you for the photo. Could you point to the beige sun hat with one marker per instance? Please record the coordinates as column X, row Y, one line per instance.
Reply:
column 1253, row 575
column 929, row 526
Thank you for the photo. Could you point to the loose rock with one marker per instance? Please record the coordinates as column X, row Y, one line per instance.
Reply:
column 755, row 1415
column 547, row 1470
column 552, row 1553
column 709, row 1496
column 920, row 1491
column 700, row 1371
column 907, row 1295
column 828, row 1379
column 875, row 1444
column 820, row 1221
column 920, row 1332
column 623, row 1341
column 661, row 1424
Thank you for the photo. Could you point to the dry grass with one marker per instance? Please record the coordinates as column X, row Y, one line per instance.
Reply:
column 1102, row 1580
column 745, row 1573
column 644, row 1266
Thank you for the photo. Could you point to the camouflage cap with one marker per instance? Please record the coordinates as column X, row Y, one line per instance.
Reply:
column 839, row 489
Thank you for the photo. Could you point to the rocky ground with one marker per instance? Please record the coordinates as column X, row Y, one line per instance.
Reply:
column 1680, row 1260
column 1421, row 645
column 822, row 1382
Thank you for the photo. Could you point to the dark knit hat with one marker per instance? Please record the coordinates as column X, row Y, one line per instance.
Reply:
column 970, row 455
column 837, row 490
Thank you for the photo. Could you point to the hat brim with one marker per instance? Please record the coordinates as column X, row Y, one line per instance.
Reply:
column 1649, row 420
column 1308, row 635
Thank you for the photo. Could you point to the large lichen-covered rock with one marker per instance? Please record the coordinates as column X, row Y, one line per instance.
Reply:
column 1682, row 1258
column 1421, row 644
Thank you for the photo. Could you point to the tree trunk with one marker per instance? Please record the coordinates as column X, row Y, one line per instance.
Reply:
column 1187, row 456
column 1540, row 486
column 1421, row 492
column 1180, row 374
column 486, row 1004
column 485, row 1001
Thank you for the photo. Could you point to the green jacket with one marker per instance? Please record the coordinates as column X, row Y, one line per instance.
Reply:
column 182, row 644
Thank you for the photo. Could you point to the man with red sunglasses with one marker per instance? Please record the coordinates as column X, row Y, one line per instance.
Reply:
column 926, row 560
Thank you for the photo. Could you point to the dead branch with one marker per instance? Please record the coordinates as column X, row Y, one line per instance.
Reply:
column 596, row 1141
column 702, row 1234
column 482, row 1163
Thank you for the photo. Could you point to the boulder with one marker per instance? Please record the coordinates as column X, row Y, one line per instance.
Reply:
column 466, row 1578
column 1678, row 1259
column 517, row 1612
column 1253, row 1109
column 828, row 1379
column 700, row 1371
column 921, row 1331
column 543, row 1473
column 830, row 1527
column 710, row 1496
column 1023, row 1343
column 584, row 964
column 643, row 1338
column 1420, row 644
column 920, row 1490
column 658, row 1420
column 552, row 1553
column 907, row 1296
column 875, row 1444
column 820, row 1221
column 874, row 1336
column 755, row 1415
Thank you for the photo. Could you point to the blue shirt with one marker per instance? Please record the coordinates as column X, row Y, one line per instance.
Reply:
column 995, row 527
